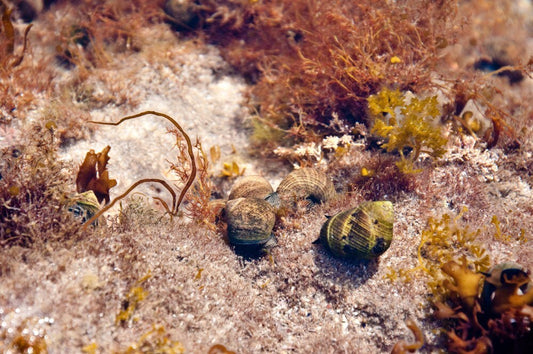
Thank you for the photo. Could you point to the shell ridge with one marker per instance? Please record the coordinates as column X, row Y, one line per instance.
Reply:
column 250, row 222
column 364, row 232
column 306, row 183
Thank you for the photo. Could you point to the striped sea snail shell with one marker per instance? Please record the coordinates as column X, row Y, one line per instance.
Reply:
column 251, row 187
column 84, row 206
column 364, row 232
column 306, row 183
column 250, row 223
column 254, row 187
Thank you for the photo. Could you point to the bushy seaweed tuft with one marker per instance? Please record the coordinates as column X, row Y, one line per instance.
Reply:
column 409, row 126
column 481, row 309
column 34, row 190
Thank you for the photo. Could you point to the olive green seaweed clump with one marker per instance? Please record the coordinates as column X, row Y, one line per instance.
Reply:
column 446, row 239
column 156, row 340
column 410, row 126
column 480, row 308
column 34, row 191
column 487, row 312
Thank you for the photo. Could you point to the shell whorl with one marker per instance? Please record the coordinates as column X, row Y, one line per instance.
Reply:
column 306, row 183
column 250, row 222
column 364, row 232
column 84, row 206
column 251, row 187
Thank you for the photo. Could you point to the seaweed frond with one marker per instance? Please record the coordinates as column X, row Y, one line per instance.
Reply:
column 483, row 309
column 410, row 128
column 313, row 60
column 403, row 347
column 509, row 295
column 466, row 283
column 231, row 170
column 94, row 176
column 156, row 340
column 445, row 240
column 498, row 317
column 27, row 337
column 198, row 206
column 9, row 59
column 135, row 295
column 176, row 202
column 219, row 349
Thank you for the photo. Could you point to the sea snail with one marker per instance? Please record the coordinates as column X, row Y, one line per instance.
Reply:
column 251, row 187
column 254, row 187
column 364, row 232
column 250, row 223
column 252, row 204
column 84, row 206
column 306, row 183
column 500, row 281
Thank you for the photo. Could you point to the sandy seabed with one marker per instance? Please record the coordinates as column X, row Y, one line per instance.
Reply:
column 183, row 282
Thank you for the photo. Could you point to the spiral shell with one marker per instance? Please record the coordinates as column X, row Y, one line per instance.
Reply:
column 306, row 183
column 251, row 187
column 250, row 223
column 364, row 232
column 84, row 206
column 183, row 14
column 502, row 275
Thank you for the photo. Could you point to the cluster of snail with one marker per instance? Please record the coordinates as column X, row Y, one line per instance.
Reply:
column 364, row 232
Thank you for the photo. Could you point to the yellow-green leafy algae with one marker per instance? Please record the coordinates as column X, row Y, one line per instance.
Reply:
column 136, row 294
column 410, row 126
column 443, row 240
column 481, row 309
